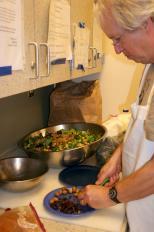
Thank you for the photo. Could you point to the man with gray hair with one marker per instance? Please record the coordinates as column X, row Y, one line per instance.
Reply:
column 130, row 25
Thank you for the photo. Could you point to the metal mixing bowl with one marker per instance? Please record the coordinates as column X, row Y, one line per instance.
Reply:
column 71, row 156
column 20, row 174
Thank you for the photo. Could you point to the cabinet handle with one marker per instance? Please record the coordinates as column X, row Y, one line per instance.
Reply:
column 94, row 57
column 36, row 63
column 47, row 58
column 89, row 67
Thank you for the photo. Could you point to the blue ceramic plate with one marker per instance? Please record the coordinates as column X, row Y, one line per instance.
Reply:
column 84, row 210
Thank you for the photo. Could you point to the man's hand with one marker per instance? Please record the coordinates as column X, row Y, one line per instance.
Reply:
column 95, row 196
column 111, row 169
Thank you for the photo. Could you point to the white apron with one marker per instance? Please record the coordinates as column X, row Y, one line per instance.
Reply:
column 137, row 151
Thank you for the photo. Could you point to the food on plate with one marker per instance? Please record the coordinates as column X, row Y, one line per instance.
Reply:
column 21, row 219
column 66, row 201
column 60, row 140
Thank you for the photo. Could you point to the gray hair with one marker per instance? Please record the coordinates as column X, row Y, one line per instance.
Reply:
column 130, row 14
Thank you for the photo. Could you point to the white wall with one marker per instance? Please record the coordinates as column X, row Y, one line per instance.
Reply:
column 119, row 80
column 120, row 77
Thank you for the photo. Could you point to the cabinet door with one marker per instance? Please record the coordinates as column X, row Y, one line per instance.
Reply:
column 97, row 42
column 58, row 72
column 83, row 11
column 22, row 80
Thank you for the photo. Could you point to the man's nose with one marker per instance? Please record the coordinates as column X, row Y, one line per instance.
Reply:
column 118, row 48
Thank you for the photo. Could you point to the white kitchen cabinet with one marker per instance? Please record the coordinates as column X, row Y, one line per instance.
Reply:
column 98, row 41
column 83, row 11
column 22, row 80
column 58, row 72
column 35, row 32
column 62, row 72
column 35, row 23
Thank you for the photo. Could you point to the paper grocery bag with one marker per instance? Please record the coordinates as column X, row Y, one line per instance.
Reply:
column 76, row 102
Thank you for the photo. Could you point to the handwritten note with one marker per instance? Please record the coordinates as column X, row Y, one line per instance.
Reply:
column 59, row 34
column 97, row 32
column 11, row 33
column 81, row 46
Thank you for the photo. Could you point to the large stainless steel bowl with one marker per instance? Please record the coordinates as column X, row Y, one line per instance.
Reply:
column 71, row 156
column 20, row 174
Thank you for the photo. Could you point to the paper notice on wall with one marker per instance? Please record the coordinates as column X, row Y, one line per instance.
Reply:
column 59, row 33
column 97, row 32
column 11, row 33
column 81, row 46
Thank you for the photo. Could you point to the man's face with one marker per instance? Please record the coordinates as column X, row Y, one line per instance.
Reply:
column 135, row 45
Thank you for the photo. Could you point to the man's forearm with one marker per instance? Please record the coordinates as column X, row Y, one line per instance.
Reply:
column 117, row 155
column 138, row 185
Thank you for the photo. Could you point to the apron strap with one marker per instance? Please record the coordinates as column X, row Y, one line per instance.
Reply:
column 142, row 81
column 150, row 95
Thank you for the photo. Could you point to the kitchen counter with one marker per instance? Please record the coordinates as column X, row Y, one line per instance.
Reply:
column 111, row 219
column 54, row 226
column 105, row 220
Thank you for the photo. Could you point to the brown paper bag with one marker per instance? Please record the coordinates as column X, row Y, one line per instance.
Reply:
column 76, row 102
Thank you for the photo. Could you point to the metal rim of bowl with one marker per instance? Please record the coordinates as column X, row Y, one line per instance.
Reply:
column 46, row 168
column 21, row 142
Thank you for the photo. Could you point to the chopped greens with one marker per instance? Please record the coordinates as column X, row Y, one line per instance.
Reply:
column 60, row 140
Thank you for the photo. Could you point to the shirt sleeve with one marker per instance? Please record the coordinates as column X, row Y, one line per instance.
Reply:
column 149, row 122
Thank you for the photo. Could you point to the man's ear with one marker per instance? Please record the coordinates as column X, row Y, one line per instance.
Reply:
column 148, row 24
